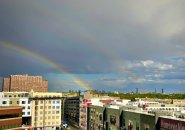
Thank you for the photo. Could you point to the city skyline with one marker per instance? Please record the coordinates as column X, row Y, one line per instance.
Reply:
column 116, row 46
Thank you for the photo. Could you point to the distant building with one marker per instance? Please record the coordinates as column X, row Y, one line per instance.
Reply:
column 10, row 118
column 24, row 83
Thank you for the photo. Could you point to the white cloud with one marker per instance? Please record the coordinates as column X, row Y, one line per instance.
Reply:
column 157, row 65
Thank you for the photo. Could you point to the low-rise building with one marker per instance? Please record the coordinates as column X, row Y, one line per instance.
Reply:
column 18, row 99
column 10, row 118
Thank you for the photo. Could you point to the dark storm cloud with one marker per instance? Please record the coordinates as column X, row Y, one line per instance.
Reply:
column 95, row 37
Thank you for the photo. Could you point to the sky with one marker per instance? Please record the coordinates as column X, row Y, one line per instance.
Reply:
column 110, row 45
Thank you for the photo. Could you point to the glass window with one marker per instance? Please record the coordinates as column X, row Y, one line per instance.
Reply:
column 4, row 102
column 57, row 112
column 57, row 107
column 41, row 107
column 23, row 102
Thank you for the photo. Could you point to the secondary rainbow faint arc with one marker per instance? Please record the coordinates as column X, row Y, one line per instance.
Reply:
column 45, row 60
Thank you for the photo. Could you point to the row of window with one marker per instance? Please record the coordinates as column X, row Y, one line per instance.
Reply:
column 49, row 112
column 47, row 107
column 24, row 113
column 10, row 102
column 41, row 102
column 47, row 123
column 14, row 96
column 49, row 117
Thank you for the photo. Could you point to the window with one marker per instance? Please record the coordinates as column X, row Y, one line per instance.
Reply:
column 23, row 113
column 10, row 102
column 53, row 112
column 113, row 119
column 58, row 101
column 57, row 107
column 53, row 107
column 100, row 117
column 36, row 107
column 28, row 113
column 28, row 107
column 41, row 107
column 49, row 107
column 36, row 102
column 41, row 102
column 4, row 102
column 57, row 112
column 23, row 102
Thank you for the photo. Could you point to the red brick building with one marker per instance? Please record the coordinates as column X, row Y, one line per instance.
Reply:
column 24, row 83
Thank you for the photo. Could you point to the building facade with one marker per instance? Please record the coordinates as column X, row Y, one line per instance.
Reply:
column 46, row 110
column 18, row 99
column 71, row 110
column 10, row 118
column 24, row 83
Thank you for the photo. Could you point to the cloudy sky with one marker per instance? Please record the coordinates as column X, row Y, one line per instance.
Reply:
column 110, row 45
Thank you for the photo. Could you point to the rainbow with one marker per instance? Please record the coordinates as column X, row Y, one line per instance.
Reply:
column 49, row 62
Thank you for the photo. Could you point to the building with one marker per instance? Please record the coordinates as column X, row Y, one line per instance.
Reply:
column 167, row 123
column 96, row 118
column 21, row 99
column 10, row 118
column 24, row 83
column 71, row 110
column 39, row 109
column 46, row 110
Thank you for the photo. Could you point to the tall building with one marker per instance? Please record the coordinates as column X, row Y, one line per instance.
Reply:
column 46, row 110
column 24, row 83
column 71, row 110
